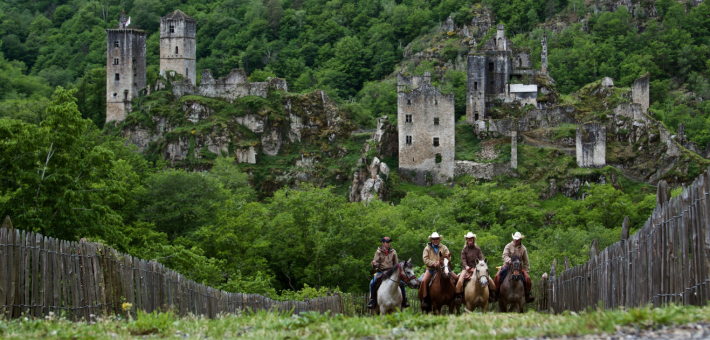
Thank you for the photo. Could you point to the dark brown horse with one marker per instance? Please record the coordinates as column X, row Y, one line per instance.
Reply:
column 512, row 289
column 442, row 290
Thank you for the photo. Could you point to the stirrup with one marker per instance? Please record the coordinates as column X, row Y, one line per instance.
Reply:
column 425, row 302
column 529, row 299
column 405, row 303
column 371, row 304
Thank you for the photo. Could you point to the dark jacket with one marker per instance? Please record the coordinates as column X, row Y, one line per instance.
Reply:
column 469, row 255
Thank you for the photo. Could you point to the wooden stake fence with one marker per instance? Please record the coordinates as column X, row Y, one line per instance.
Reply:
column 666, row 262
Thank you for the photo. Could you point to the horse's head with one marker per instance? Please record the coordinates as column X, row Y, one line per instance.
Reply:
column 516, row 267
column 406, row 274
column 482, row 272
column 444, row 267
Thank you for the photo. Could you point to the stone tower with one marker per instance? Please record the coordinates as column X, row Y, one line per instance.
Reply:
column 425, row 125
column 177, row 45
column 125, row 69
column 543, row 55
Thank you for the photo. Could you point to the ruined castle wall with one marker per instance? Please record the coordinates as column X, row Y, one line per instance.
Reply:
column 178, row 48
column 125, row 70
column 418, row 159
column 533, row 119
column 591, row 145
column 513, row 149
column 234, row 85
column 543, row 55
column 640, row 92
column 480, row 170
column 522, row 60
column 475, row 88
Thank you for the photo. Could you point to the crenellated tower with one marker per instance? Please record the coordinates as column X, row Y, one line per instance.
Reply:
column 125, row 68
column 178, row 49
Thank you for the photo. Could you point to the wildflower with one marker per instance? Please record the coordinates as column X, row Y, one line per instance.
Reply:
column 126, row 306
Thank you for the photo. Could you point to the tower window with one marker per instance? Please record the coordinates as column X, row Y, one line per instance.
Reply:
column 436, row 120
column 187, row 72
column 475, row 116
column 490, row 66
column 438, row 158
column 117, row 77
column 172, row 28
column 475, row 85
column 115, row 61
column 408, row 118
column 115, row 94
column 115, row 43
column 176, row 50
column 409, row 142
column 409, row 102
column 436, row 141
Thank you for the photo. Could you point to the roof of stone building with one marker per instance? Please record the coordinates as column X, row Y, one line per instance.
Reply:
column 177, row 15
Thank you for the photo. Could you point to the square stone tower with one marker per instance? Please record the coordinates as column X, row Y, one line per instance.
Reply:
column 426, row 128
column 125, row 69
column 178, row 48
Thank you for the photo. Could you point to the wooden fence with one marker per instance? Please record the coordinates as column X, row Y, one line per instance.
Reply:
column 666, row 261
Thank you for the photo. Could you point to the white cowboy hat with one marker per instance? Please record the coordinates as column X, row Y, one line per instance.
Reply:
column 518, row 236
column 470, row 235
column 434, row 235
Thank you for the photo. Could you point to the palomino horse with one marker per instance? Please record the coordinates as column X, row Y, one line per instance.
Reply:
column 476, row 292
column 442, row 291
column 389, row 296
column 512, row 289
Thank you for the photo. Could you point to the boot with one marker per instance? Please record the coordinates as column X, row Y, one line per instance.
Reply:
column 371, row 304
column 529, row 298
column 459, row 298
column 405, row 302
column 425, row 302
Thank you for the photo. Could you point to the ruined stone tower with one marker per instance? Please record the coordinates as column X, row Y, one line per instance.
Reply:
column 425, row 124
column 125, row 69
column 543, row 55
column 177, row 45
column 591, row 145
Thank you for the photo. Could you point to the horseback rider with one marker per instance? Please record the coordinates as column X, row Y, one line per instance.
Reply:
column 433, row 252
column 469, row 255
column 516, row 248
column 385, row 258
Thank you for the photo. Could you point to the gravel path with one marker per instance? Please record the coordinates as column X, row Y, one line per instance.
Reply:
column 688, row 331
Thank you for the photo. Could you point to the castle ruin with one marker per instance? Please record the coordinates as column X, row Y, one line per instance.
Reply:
column 178, row 48
column 125, row 68
column 425, row 123
column 499, row 73
column 591, row 145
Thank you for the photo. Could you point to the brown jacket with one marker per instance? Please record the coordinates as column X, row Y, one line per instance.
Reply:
column 385, row 259
column 469, row 255
column 431, row 257
column 511, row 249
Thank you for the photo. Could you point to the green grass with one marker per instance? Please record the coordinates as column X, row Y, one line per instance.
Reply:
column 407, row 325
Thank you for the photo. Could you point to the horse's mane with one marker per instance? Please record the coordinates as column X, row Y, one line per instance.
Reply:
column 389, row 272
column 515, row 258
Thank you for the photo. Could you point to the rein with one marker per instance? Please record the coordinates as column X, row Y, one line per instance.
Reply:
column 402, row 276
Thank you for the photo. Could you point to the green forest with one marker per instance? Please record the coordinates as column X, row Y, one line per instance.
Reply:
column 63, row 175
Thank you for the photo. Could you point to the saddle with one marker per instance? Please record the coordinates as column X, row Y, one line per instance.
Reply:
column 468, row 275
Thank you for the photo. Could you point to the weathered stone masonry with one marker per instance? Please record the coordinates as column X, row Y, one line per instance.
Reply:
column 425, row 122
column 125, row 69
column 591, row 145
column 178, row 49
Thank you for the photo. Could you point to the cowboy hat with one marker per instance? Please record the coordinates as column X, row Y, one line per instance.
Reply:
column 470, row 235
column 518, row 236
column 434, row 235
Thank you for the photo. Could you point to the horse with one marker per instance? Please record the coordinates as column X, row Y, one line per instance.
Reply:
column 442, row 291
column 512, row 289
column 476, row 291
column 389, row 296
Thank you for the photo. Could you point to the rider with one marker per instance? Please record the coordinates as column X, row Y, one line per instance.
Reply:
column 433, row 251
column 385, row 258
column 516, row 248
column 469, row 254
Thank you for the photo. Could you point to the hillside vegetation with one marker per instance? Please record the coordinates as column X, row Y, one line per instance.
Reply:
column 260, row 228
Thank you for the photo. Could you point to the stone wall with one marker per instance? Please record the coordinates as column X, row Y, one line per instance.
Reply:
column 591, row 145
column 480, row 170
column 125, row 70
column 640, row 92
column 513, row 149
column 543, row 56
column 432, row 121
column 531, row 120
column 234, row 85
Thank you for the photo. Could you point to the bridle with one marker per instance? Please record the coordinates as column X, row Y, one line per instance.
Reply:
column 402, row 276
column 479, row 276
column 517, row 265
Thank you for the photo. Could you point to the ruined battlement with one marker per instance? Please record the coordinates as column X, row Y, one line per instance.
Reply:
column 234, row 85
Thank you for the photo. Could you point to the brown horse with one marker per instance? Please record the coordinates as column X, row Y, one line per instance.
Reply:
column 512, row 289
column 442, row 290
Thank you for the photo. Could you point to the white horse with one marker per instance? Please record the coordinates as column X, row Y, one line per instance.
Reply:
column 389, row 297
column 476, row 291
